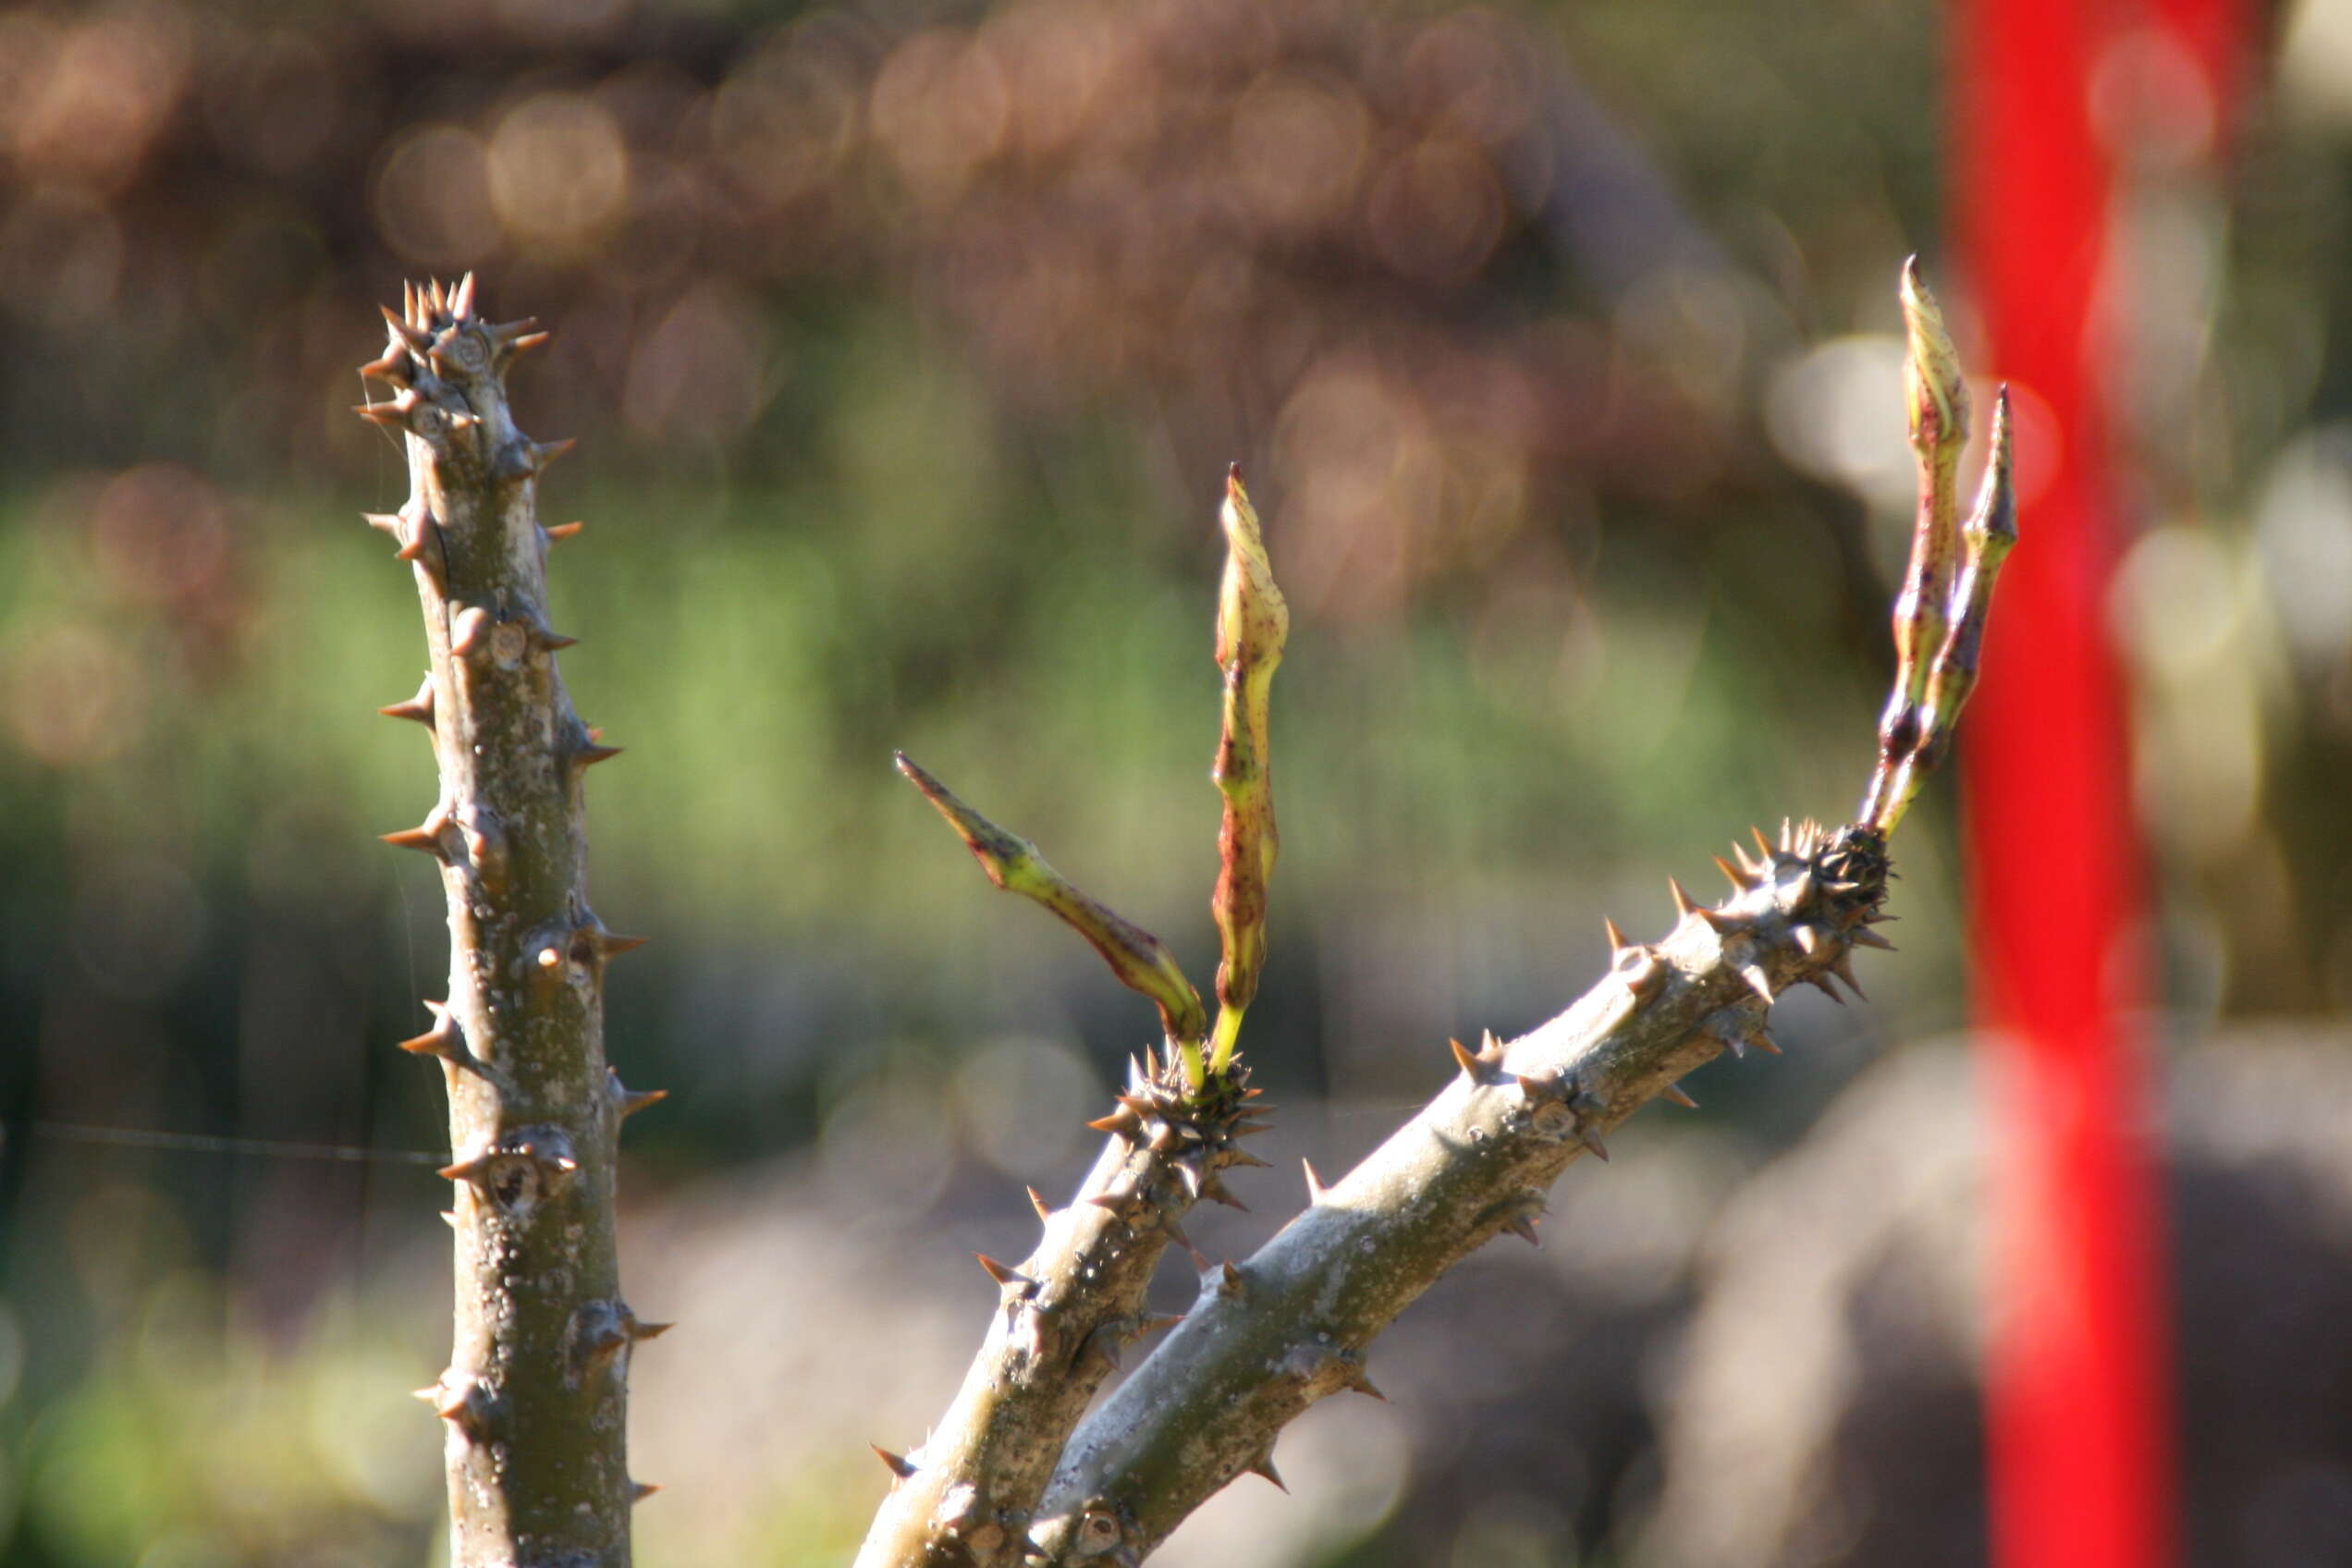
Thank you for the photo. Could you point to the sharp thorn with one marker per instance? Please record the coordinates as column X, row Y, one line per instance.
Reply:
column 1616, row 937
column 631, row 1101
column 419, row 707
column 1843, row 967
column 1001, row 1273
column 1675, row 1092
column 410, row 335
column 640, row 1490
column 1758, row 981
column 426, row 838
column 1732, row 874
column 1683, row 905
column 559, row 532
column 1038, row 1202
column 1523, row 1227
column 1591, row 1140
column 897, row 1462
column 1215, row 1191
column 441, row 1040
column 1806, row 937
column 1863, row 937
column 1314, row 1188
column 1264, row 1465
column 1763, row 1041
column 461, row 298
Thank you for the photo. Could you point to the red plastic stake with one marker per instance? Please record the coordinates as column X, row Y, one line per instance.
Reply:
column 2078, row 1406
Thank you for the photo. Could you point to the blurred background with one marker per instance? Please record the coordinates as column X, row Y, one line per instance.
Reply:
column 907, row 344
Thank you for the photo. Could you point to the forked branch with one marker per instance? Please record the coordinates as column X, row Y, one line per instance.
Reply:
column 1294, row 1323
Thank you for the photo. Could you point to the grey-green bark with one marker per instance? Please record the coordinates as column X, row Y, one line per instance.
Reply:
column 967, row 1497
column 1270, row 1337
column 534, row 1398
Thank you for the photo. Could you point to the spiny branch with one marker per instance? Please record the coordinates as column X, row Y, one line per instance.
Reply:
column 535, row 1394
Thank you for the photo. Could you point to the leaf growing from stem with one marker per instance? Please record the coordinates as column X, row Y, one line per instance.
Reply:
column 1139, row 959
column 1252, row 624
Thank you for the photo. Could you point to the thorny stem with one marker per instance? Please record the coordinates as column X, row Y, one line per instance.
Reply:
column 534, row 1398
column 1270, row 1336
column 967, row 1496
column 1291, row 1324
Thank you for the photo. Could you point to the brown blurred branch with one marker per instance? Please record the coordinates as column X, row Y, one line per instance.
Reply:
column 535, row 1396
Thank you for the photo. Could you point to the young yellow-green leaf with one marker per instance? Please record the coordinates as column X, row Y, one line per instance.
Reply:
column 1252, row 623
column 1135, row 956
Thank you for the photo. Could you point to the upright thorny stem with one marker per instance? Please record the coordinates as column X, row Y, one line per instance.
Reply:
column 966, row 1498
column 1291, row 1324
column 535, row 1399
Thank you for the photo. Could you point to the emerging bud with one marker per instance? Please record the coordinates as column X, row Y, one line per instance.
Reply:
column 1135, row 956
column 1252, row 624
column 1947, row 596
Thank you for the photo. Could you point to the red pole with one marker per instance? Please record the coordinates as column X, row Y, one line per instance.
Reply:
column 2079, row 1412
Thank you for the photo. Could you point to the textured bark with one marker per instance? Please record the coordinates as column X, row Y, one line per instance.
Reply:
column 535, row 1398
column 966, row 1498
column 1271, row 1336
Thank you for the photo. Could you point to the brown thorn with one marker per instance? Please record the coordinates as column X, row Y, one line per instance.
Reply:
column 392, row 367
column 631, row 1101
column 591, row 755
column 416, row 341
column 611, row 946
column 1616, row 937
column 1314, row 1188
column 640, row 1490
column 1732, row 874
column 461, row 298
column 1758, row 981
column 1122, row 1122
column 898, row 1465
column 1038, row 1202
column 1591, row 1140
column 426, row 837
column 1215, row 1191
column 559, row 532
column 1264, row 1465
column 1763, row 1041
column 1683, row 905
column 1243, row 1156
column 1675, row 1092
column 419, row 707
column 441, row 1040
column 1001, row 1273
column 1863, row 937
column 1843, row 967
